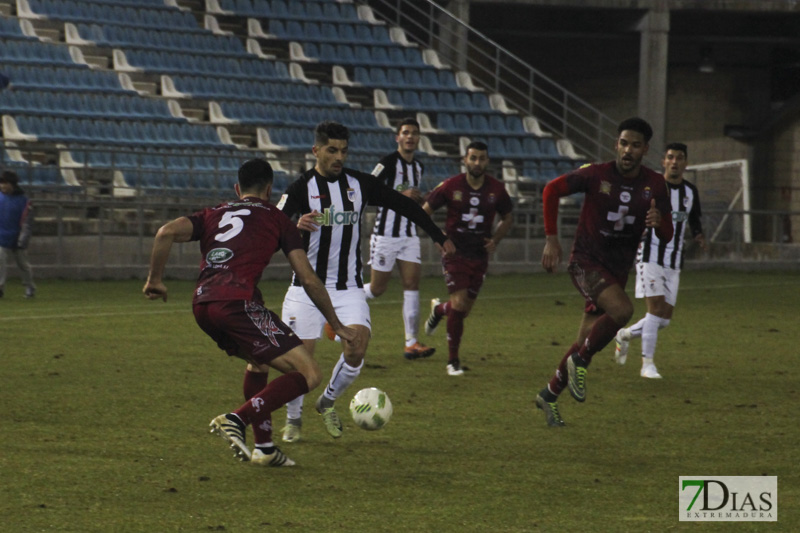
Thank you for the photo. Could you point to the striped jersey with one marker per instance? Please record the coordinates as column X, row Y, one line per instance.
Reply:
column 685, row 211
column 398, row 174
column 334, row 250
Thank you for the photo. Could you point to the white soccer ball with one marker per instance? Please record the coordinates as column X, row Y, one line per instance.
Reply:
column 371, row 408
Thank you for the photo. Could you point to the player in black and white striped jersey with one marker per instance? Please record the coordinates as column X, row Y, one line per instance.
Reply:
column 658, row 264
column 330, row 200
column 394, row 237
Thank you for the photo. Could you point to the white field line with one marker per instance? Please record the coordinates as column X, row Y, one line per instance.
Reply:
column 158, row 308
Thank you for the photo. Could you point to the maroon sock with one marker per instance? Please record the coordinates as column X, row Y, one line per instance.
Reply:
column 603, row 331
column 559, row 380
column 443, row 309
column 279, row 391
column 255, row 382
column 455, row 329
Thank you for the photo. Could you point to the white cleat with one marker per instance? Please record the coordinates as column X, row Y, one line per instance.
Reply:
column 291, row 432
column 433, row 320
column 623, row 339
column 650, row 371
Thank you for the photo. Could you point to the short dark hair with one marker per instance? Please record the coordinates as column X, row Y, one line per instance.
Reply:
column 9, row 176
column 408, row 121
column 255, row 175
column 327, row 130
column 677, row 146
column 636, row 124
column 477, row 145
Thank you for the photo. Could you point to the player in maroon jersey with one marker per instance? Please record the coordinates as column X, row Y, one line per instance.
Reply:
column 622, row 199
column 472, row 200
column 237, row 240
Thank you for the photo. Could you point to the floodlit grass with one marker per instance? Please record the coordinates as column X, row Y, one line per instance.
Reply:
column 106, row 400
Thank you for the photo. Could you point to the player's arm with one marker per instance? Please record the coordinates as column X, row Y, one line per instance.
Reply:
column 658, row 215
column 696, row 223
column 319, row 294
column 291, row 204
column 25, row 227
column 179, row 230
column 552, row 193
column 499, row 233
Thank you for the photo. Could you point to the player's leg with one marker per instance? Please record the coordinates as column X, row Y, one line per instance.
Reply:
column 410, row 273
column 352, row 309
column 461, row 304
column 604, row 293
column 26, row 272
column 644, row 286
column 3, row 269
column 300, row 313
column 382, row 256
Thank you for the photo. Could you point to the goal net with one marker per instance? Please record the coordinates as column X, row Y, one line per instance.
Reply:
column 724, row 189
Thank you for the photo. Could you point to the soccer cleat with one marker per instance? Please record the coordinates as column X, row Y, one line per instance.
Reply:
column 232, row 430
column 576, row 369
column 331, row 420
column 329, row 332
column 454, row 368
column 551, row 414
column 30, row 293
column 418, row 351
column 433, row 320
column 649, row 370
column 276, row 458
column 291, row 431
column 623, row 339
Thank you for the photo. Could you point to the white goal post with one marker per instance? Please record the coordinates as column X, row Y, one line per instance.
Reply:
column 724, row 189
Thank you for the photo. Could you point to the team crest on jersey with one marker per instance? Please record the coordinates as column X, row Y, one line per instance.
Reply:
column 491, row 198
column 351, row 195
column 219, row 255
column 624, row 197
column 377, row 170
column 282, row 201
column 647, row 193
column 457, row 196
column 474, row 201
column 605, row 187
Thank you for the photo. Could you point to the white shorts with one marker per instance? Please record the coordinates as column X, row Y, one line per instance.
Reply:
column 655, row 280
column 300, row 313
column 384, row 251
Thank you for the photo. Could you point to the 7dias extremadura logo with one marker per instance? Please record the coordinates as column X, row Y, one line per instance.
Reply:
column 728, row 498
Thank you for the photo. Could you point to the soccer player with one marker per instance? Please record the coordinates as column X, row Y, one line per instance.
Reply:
column 472, row 199
column 394, row 237
column 622, row 199
column 330, row 200
column 237, row 240
column 659, row 262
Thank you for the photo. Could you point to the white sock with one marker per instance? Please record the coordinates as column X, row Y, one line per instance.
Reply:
column 635, row 330
column 411, row 316
column 294, row 409
column 368, row 292
column 652, row 324
column 343, row 375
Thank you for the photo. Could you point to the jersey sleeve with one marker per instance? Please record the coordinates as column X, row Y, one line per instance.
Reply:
column 290, row 238
column 291, row 203
column 437, row 197
column 551, row 194
column 695, row 214
column 198, row 223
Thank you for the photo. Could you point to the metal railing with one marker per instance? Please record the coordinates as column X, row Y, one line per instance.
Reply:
column 501, row 72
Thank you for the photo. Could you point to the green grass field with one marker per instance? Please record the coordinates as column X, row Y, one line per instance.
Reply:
column 106, row 399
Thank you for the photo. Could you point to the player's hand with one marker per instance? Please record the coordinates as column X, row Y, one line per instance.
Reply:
column 490, row 245
column 653, row 218
column 355, row 338
column 701, row 240
column 448, row 248
column 551, row 255
column 154, row 291
column 414, row 194
column 309, row 221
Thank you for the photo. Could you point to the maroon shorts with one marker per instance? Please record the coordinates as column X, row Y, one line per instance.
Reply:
column 463, row 273
column 246, row 329
column 591, row 279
